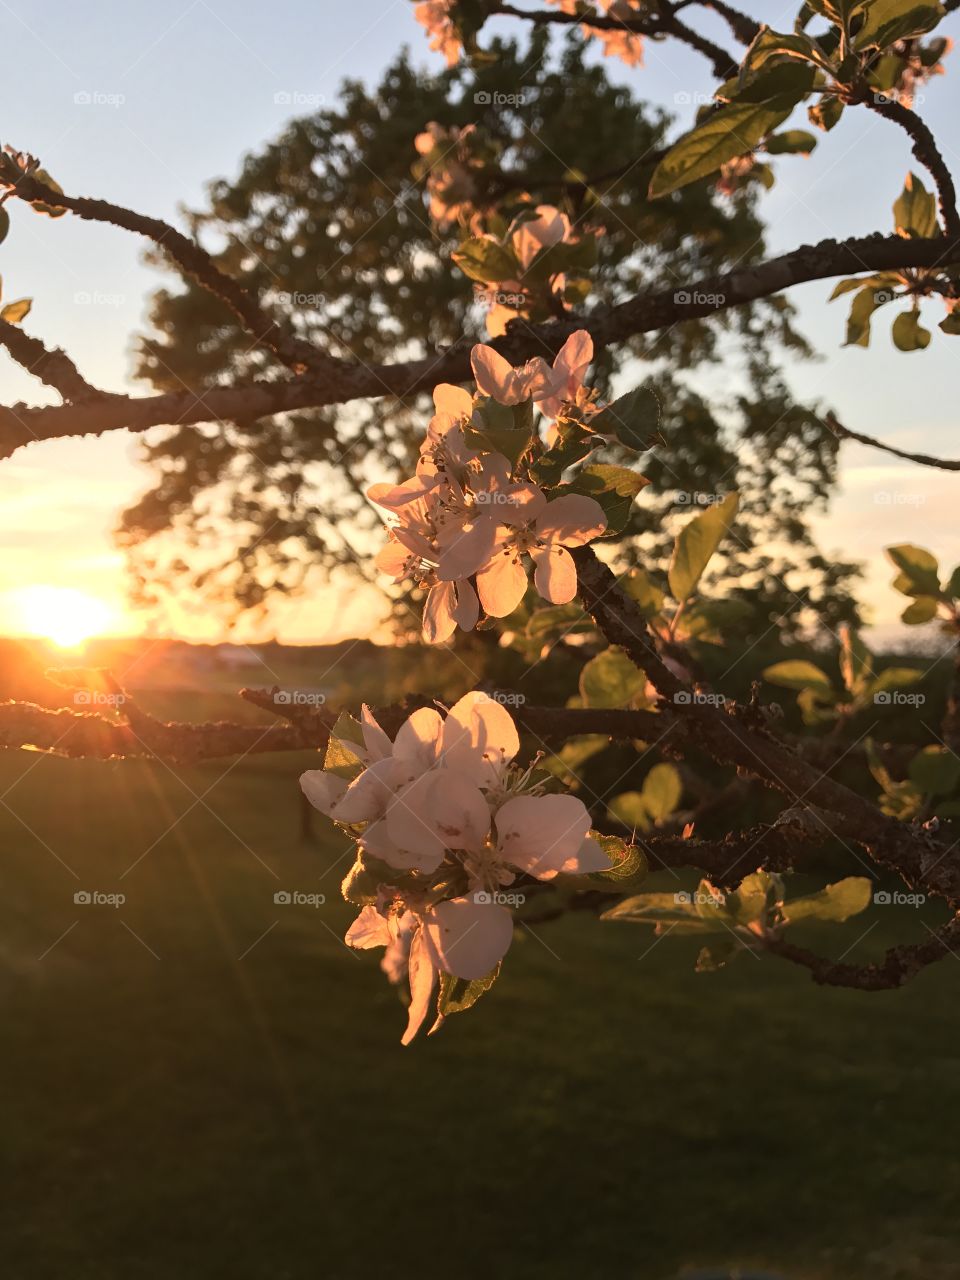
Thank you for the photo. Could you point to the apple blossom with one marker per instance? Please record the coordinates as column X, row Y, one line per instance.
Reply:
column 446, row 818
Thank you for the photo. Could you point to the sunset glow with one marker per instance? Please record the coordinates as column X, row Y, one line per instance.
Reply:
column 63, row 615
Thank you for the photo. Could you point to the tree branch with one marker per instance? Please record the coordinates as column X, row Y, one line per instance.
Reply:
column 53, row 367
column 191, row 259
column 926, row 152
column 341, row 381
column 923, row 459
column 897, row 967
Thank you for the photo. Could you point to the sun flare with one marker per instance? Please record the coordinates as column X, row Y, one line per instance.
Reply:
column 63, row 615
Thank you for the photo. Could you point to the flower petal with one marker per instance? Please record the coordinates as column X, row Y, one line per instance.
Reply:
column 573, row 520
column 323, row 790
column 469, row 938
column 410, row 821
column 423, row 977
column 540, row 834
column 502, row 584
column 367, row 795
column 494, row 375
column 466, row 548
column 459, row 811
column 479, row 736
column 418, row 740
column 375, row 740
column 455, row 401
column 589, row 857
column 439, row 621
column 377, row 842
column 392, row 559
column 555, row 576
column 467, row 611
column 370, row 929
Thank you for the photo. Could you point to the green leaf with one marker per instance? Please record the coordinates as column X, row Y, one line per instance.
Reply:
column 951, row 322
column 556, row 621
column 953, row 586
column 630, row 866
column 697, row 542
column 887, row 21
column 779, row 81
column 615, row 488
column 791, row 142
column 798, row 674
column 573, row 754
column 717, row 955
column 727, row 133
column 662, row 790
column 755, row 897
column 917, row 565
column 915, row 210
column 895, row 678
column 908, row 333
column 340, row 758
column 921, row 610
column 486, row 260
column 837, row 902
column 611, row 680
column 632, row 418
column 4, row 224
column 825, row 113
column 861, row 311
column 499, row 428
column 458, row 994
column 640, row 587
column 772, row 44
column 935, row 770
column 14, row 312
column 630, row 810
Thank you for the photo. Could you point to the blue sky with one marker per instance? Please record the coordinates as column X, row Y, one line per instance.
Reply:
column 143, row 104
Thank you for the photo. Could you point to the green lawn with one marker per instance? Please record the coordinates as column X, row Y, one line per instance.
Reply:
column 238, row 1105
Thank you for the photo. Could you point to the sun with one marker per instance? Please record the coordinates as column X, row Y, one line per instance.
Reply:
column 63, row 615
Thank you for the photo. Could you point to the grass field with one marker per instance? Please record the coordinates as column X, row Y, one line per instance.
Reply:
column 201, row 1083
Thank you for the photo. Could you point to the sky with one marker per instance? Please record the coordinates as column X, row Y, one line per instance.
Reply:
column 143, row 104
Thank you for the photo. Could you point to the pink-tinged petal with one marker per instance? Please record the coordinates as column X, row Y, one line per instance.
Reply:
column 573, row 520
column 460, row 812
column 414, row 541
column 375, row 740
column 539, row 834
column 467, row 612
column 536, row 379
column 588, row 858
column 479, row 736
column 419, row 738
column 555, row 575
column 494, row 473
column 469, row 938
column 521, row 504
column 323, row 790
column 439, row 620
column 410, row 819
column 377, row 842
column 398, row 495
column 393, row 559
column 423, row 977
column 467, row 548
column 367, row 795
column 494, row 376
column 502, row 584
column 575, row 355
column 369, row 929
column 455, row 401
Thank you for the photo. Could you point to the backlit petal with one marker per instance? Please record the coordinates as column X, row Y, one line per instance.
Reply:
column 469, row 938
column 555, row 575
column 423, row 977
column 494, row 375
column 540, row 834
column 323, row 790
column 573, row 520
column 502, row 584
column 455, row 401
column 370, row 929
column 439, row 622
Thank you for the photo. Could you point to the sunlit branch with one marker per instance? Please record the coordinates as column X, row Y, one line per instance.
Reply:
column 926, row 151
column 52, row 366
column 343, row 381
column 922, row 459
column 897, row 966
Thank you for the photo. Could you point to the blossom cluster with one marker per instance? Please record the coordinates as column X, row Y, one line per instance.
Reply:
column 466, row 523
column 624, row 44
column 444, row 821
column 449, row 161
